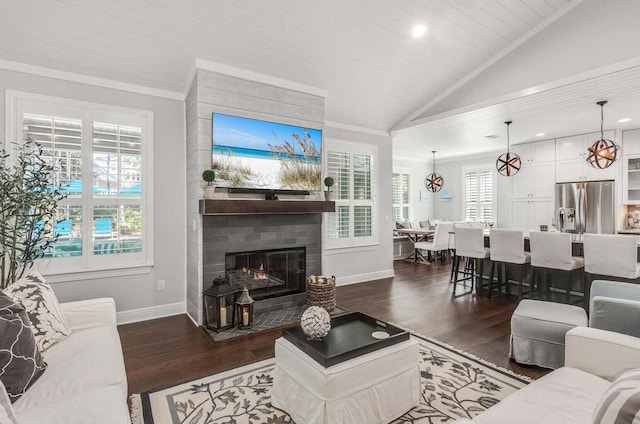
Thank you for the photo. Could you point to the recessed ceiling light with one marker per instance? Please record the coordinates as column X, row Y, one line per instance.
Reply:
column 541, row 134
column 418, row 31
column 491, row 136
column 624, row 120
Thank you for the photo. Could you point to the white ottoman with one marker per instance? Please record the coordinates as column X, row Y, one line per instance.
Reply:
column 538, row 329
column 373, row 388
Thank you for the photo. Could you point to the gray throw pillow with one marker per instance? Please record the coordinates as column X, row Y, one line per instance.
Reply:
column 621, row 402
column 36, row 295
column 20, row 361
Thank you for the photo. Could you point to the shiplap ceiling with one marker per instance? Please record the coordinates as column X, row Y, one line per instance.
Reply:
column 563, row 111
column 359, row 51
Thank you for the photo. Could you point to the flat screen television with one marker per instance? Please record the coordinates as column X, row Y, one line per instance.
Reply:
column 265, row 156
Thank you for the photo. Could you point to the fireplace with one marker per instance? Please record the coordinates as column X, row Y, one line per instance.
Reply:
column 268, row 273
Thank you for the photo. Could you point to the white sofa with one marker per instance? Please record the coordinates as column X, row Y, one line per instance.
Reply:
column 85, row 380
column 593, row 358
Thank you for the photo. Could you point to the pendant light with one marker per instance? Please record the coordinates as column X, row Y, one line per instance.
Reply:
column 603, row 153
column 508, row 164
column 434, row 181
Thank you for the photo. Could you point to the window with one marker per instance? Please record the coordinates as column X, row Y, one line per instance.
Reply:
column 353, row 168
column 478, row 194
column 102, row 158
column 401, row 194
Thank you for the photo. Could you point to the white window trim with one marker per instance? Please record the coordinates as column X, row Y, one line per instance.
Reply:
column 494, row 187
column 407, row 171
column 16, row 101
column 352, row 241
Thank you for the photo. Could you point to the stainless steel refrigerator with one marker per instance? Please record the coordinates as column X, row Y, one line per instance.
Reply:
column 587, row 207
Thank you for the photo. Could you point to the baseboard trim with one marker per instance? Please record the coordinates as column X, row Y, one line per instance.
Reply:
column 151, row 312
column 361, row 278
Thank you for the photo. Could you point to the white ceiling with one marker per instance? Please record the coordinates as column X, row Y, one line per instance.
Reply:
column 360, row 52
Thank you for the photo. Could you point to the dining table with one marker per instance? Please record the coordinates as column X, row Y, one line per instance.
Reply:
column 415, row 235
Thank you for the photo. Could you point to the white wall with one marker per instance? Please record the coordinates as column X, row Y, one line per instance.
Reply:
column 135, row 295
column 452, row 173
column 422, row 210
column 370, row 262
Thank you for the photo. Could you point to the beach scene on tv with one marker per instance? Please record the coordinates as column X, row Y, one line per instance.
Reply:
column 250, row 153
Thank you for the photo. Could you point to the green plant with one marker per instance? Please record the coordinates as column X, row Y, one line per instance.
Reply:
column 27, row 211
column 209, row 176
column 328, row 182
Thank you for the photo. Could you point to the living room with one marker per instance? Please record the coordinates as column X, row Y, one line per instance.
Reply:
column 370, row 86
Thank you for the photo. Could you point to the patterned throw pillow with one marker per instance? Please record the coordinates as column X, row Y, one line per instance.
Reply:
column 20, row 361
column 39, row 300
column 621, row 402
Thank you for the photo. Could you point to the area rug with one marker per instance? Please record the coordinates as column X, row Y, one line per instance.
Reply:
column 454, row 385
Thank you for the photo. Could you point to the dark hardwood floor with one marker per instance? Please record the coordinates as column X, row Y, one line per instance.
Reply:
column 166, row 351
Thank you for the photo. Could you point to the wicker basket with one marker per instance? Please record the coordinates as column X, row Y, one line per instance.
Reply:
column 321, row 291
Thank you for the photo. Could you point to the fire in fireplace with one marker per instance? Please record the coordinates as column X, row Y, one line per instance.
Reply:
column 268, row 273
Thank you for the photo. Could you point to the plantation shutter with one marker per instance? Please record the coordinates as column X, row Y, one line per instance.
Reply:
column 478, row 194
column 351, row 165
column 339, row 168
column 471, row 196
column 401, row 196
column 485, row 199
column 117, row 170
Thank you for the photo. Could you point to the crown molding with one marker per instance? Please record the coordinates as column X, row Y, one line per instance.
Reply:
column 89, row 80
column 219, row 68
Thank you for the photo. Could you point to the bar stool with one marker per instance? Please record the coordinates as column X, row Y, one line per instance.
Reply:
column 470, row 243
column 610, row 256
column 552, row 252
column 440, row 240
column 507, row 247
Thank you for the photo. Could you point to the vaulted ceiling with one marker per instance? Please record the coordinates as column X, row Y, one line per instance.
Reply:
column 360, row 52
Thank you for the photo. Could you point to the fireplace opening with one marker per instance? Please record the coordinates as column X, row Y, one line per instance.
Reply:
column 268, row 273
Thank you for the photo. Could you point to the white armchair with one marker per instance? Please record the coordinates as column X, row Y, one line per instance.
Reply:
column 569, row 394
column 615, row 306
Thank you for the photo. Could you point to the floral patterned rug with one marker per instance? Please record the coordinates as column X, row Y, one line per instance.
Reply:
column 454, row 385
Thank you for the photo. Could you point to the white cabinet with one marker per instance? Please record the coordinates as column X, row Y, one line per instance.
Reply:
column 532, row 188
column 631, row 142
column 631, row 179
column 631, row 167
column 530, row 214
column 536, row 177
column 571, row 159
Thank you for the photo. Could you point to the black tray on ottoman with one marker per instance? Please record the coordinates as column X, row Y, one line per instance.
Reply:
column 350, row 337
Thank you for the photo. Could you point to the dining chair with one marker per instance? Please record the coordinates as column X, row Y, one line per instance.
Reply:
column 440, row 242
column 470, row 242
column 610, row 256
column 552, row 252
column 507, row 248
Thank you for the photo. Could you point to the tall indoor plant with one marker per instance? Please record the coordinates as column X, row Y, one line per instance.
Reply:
column 27, row 209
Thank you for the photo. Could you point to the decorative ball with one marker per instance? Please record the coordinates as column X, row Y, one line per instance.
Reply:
column 315, row 322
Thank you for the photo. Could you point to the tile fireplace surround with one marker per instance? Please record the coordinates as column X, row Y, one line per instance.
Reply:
column 234, row 233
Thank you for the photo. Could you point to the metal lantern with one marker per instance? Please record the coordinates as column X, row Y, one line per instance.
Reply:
column 434, row 181
column 219, row 305
column 603, row 153
column 509, row 163
column 244, row 310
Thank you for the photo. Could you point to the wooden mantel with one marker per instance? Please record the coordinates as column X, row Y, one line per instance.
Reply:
column 256, row 207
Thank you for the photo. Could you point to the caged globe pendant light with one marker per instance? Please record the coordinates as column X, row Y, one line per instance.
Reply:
column 434, row 181
column 508, row 164
column 603, row 153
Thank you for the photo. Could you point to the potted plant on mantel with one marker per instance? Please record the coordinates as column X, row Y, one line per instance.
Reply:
column 327, row 193
column 209, row 176
column 28, row 211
